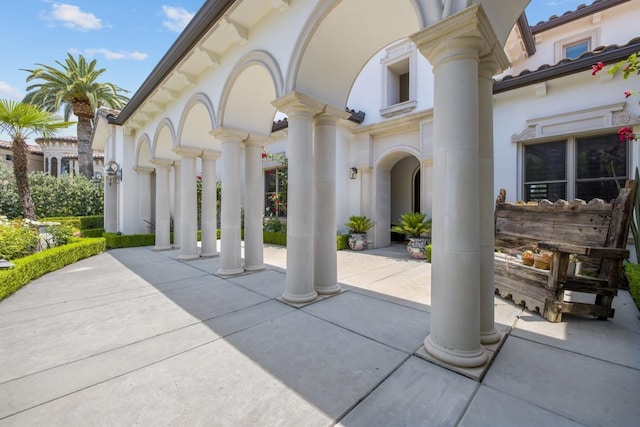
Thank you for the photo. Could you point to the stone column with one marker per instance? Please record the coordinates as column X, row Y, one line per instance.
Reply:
column 254, row 194
column 300, row 109
column 163, row 205
column 177, row 214
column 453, row 47
column 488, row 67
column 110, row 206
column 188, row 202
column 209, row 245
column 230, row 237
column 324, row 173
column 144, row 198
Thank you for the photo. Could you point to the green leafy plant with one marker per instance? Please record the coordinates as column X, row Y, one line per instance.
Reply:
column 358, row 224
column 17, row 239
column 413, row 224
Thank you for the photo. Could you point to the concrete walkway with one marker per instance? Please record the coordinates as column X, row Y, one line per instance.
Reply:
column 136, row 337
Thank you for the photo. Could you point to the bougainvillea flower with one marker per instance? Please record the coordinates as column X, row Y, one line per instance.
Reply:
column 626, row 134
column 595, row 68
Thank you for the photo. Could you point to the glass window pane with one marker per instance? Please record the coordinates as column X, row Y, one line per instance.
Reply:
column 546, row 162
column 575, row 50
column 601, row 156
column 601, row 189
column 550, row 191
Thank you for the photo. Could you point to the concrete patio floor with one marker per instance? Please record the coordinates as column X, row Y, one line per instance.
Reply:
column 137, row 337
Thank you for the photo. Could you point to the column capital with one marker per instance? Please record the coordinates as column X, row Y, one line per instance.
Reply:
column 143, row 170
column 229, row 134
column 469, row 28
column 257, row 140
column 331, row 114
column 187, row 152
column 161, row 163
column 211, row 155
column 297, row 103
column 493, row 62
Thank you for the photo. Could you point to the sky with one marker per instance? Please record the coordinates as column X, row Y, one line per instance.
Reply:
column 127, row 38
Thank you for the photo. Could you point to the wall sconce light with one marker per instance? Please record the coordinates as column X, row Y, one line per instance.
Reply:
column 113, row 171
column 353, row 172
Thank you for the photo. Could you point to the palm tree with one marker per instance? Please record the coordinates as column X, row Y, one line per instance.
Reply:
column 19, row 121
column 74, row 87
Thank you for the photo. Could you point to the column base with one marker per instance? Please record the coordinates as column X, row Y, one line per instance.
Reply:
column 161, row 248
column 257, row 267
column 328, row 290
column 299, row 299
column 490, row 337
column 209, row 254
column 461, row 358
column 187, row 257
column 230, row 272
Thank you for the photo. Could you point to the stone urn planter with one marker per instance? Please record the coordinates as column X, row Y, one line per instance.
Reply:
column 417, row 247
column 358, row 227
column 357, row 241
column 414, row 226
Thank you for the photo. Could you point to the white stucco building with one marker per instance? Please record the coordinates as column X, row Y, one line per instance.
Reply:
column 402, row 91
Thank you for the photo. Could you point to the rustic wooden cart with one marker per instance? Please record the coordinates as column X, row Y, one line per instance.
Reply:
column 596, row 232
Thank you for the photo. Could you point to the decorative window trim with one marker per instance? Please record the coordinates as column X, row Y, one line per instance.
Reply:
column 395, row 54
column 592, row 36
column 592, row 119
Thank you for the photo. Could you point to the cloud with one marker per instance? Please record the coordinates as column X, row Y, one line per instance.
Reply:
column 11, row 92
column 72, row 17
column 109, row 54
column 176, row 18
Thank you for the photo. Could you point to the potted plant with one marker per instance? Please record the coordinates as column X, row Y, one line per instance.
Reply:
column 542, row 260
column 358, row 226
column 528, row 257
column 415, row 227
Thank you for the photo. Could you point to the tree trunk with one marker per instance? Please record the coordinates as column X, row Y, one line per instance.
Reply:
column 20, row 170
column 85, row 152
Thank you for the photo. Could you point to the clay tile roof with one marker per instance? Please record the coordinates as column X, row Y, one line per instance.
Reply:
column 32, row 148
column 607, row 54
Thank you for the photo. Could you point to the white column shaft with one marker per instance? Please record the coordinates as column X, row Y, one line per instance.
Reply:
column 188, row 208
column 177, row 205
column 300, row 257
column 455, row 312
column 209, row 211
column 488, row 332
column 254, row 192
column 163, row 215
column 230, row 237
column 325, row 256
column 144, row 201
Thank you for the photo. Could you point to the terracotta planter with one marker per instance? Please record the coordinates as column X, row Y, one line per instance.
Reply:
column 357, row 242
column 416, row 247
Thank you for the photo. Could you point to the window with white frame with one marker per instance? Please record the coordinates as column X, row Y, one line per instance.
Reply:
column 399, row 79
column 577, row 167
column 574, row 46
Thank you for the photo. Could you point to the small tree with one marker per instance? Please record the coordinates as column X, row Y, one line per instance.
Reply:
column 19, row 121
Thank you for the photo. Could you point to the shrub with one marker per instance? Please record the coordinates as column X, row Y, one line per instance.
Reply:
column 413, row 224
column 273, row 224
column 342, row 242
column 67, row 195
column 72, row 221
column 275, row 238
column 358, row 224
column 91, row 221
column 114, row 241
column 34, row 266
column 633, row 276
column 17, row 239
column 427, row 253
column 60, row 234
column 92, row 232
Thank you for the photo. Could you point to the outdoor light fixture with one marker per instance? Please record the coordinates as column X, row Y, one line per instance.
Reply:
column 353, row 172
column 113, row 171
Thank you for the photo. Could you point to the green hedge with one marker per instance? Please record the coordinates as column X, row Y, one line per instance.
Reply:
column 115, row 241
column 34, row 266
column 73, row 221
column 275, row 238
column 342, row 242
column 92, row 232
column 427, row 252
column 91, row 222
column 633, row 276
